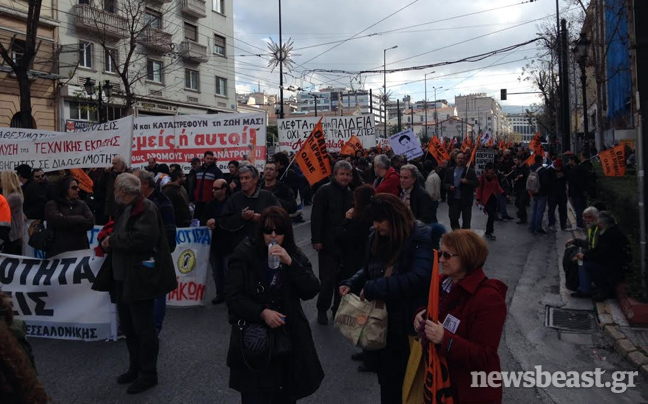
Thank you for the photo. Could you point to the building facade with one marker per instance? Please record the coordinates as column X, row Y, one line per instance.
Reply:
column 482, row 111
column 524, row 125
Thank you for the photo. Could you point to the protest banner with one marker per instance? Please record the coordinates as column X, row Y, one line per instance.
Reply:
column 613, row 161
column 54, row 298
column 92, row 146
column 178, row 139
column 438, row 151
column 473, row 154
column 293, row 132
column 352, row 146
column 313, row 158
column 190, row 258
column 83, row 180
column 483, row 157
column 406, row 143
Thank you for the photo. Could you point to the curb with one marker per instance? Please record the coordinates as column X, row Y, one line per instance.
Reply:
column 611, row 331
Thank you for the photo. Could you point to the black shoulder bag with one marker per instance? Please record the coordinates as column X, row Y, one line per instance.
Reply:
column 41, row 238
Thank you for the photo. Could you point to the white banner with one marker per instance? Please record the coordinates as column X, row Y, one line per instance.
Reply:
column 406, row 143
column 54, row 298
column 190, row 258
column 178, row 139
column 337, row 130
column 483, row 157
column 92, row 146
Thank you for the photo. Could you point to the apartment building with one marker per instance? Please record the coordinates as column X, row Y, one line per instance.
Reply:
column 523, row 125
column 154, row 57
column 342, row 101
column 482, row 111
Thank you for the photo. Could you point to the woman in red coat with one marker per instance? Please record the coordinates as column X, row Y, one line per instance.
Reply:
column 472, row 310
column 487, row 193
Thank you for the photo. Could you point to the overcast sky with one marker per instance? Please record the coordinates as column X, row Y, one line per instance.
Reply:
column 433, row 27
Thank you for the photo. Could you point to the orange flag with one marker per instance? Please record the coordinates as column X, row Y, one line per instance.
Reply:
column 312, row 158
column 531, row 160
column 474, row 151
column 437, row 383
column 501, row 145
column 464, row 144
column 85, row 182
column 436, row 149
column 354, row 144
column 613, row 161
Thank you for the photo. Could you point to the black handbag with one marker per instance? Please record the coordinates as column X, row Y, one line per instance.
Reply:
column 259, row 344
column 40, row 238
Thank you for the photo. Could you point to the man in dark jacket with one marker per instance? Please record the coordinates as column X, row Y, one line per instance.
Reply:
column 460, row 182
column 179, row 199
column 205, row 177
column 283, row 193
column 558, row 196
column 415, row 196
column 577, row 178
column 519, row 177
column 539, row 203
column 221, row 245
column 330, row 204
column 35, row 192
column 141, row 266
column 242, row 211
column 190, row 183
column 150, row 191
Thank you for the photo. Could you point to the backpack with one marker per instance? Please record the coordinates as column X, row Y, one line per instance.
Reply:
column 533, row 181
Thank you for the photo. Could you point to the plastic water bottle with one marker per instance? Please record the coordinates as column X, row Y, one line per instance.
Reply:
column 273, row 260
column 580, row 262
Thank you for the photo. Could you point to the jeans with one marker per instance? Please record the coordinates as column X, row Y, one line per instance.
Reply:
column 579, row 203
column 456, row 209
column 218, row 262
column 561, row 204
column 435, row 207
column 501, row 198
column 491, row 211
column 537, row 212
column 159, row 311
column 138, row 325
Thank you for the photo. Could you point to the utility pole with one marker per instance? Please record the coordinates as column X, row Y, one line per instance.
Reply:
column 564, row 84
column 281, row 58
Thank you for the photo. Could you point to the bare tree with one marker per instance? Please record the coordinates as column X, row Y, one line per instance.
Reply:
column 22, row 65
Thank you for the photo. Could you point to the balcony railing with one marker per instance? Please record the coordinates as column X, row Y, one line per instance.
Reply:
column 100, row 21
column 193, row 52
column 156, row 40
column 194, row 8
column 158, row 1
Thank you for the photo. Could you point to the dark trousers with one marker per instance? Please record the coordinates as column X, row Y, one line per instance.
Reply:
column 601, row 277
column 435, row 207
column 138, row 325
column 159, row 311
column 328, row 274
column 13, row 247
column 279, row 397
column 218, row 262
column 561, row 204
column 579, row 203
column 491, row 211
column 392, row 365
column 457, row 209
column 521, row 202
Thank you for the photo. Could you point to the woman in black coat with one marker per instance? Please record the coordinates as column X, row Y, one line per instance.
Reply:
column 397, row 270
column 69, row 218
column 257, row 294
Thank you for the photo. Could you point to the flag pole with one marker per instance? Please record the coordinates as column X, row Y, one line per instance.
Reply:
column 291, row 162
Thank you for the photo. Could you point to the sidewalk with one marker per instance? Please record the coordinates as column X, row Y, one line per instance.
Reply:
column 629, row 342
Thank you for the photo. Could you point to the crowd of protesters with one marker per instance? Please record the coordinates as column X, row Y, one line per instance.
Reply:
column 374, row 225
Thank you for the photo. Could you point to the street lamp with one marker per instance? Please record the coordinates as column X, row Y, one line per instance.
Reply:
column 385, row 83
column 426, row 106
column 580, row 53
column 436, row 117
column 107, row 88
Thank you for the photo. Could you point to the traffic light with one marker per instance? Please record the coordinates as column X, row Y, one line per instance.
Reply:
column 503, row 94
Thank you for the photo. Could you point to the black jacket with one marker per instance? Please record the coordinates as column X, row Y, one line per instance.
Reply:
column 421, row 204
column 168, row 216
column 221, row 239
column 466, row 190
column 285, row 196
column 180, row 201
column 36, row 196
column 612, row 251
column 558, row 182
column 577, row 178
column 231, row 219
column 519, row 185
column 246, row 300
column 70, row 221
column 329, row 207
column 352, row 239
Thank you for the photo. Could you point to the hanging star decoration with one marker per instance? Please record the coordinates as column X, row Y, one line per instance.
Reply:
column 281, row 54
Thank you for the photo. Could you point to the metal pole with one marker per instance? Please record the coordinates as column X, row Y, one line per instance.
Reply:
column 281, row 57
column 584, row 85
column 384, row 100
column 564, row 106
column 99, row 103
column 559, row 116
column 399, row 114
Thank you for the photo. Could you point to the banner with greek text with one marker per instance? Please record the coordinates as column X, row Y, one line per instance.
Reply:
column 91, row 146
column 54, row 298
column 178, row 139
column 338, row 130
column 190, row 258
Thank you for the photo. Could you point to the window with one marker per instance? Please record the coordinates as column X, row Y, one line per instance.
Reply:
column 191, row 32
column 85, row 54
column 109, row 63
column 154, row 71
column 110, row 5
column 153, row 19
column 218, row 6
column 221, row 86
column 219, row 45
column 191, row 79
column 81, row 112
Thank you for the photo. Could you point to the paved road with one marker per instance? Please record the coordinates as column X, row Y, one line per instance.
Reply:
column 194, row 342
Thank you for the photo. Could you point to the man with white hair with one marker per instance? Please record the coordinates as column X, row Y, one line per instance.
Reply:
column 387, row 178
column 138, row 270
